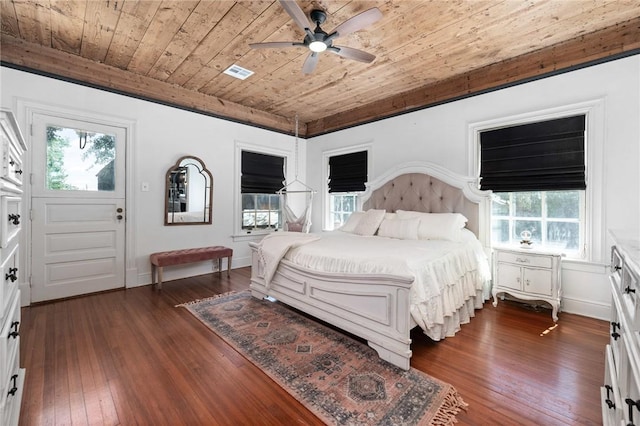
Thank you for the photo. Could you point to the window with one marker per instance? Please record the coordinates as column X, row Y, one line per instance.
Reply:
column 262, row 177
column 79, row 160
column 340, row 208
column 537, row 174
column 347, row 175
column 554, row 218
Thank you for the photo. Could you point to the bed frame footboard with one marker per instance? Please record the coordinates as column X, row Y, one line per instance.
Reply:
column 372, row 307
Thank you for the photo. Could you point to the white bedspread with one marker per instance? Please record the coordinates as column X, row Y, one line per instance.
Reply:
column 446, row 274
column 274, row 246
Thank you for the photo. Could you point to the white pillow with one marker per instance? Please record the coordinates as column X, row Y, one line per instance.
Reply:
column 437, row 226
column 397, row 228
column 352, row 222
column 370, row 222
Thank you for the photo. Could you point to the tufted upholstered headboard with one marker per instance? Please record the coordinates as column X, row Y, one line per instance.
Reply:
column 427, row 188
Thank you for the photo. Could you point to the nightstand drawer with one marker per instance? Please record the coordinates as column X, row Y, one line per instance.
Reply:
column 525, row 259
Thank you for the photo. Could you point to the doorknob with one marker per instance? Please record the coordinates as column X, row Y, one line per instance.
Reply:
column 119, row 217
column 119, row 210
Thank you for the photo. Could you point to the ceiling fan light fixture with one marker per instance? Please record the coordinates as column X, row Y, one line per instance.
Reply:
column 317, row 46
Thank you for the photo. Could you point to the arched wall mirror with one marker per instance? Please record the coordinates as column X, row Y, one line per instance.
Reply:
column 189, row 193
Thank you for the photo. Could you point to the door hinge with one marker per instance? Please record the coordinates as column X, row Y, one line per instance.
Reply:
column 31, row 129
column 31, row 178
column 30, row 214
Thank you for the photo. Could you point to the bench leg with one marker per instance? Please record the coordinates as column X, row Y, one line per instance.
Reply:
column 228, row 266
column 159, row 277
column 219, row 267
column 153, row 275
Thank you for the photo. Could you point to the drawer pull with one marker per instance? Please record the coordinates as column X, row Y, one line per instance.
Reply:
column 11, row 275
column 610, row 403
column 18, row 172
column 521, row 260
column 615, row 325
column 631, row 403
column 14, row 218
column 617, row 268
column 14, row 326
column 628, row 290
column 615, row 335
column 14, row 387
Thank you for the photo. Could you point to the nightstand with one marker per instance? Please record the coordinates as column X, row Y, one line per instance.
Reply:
column 527, row 274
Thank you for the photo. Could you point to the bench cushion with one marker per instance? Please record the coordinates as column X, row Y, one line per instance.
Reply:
column 177, row 257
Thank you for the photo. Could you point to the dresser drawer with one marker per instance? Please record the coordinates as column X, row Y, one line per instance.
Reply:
column 11, row 219
column 525, row 259
column 629, row 381
column 12, row 391
column 12, row 167
column 9, row 281
column 617, row 264
column 630, row 290
column 610, row 392
column 10, row 339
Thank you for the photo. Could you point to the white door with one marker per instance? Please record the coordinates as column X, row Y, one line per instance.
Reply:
column 77, row 207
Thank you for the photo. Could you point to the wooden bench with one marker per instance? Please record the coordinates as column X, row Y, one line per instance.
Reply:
column 179, row 257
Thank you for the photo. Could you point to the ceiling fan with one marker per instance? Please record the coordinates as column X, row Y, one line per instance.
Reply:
column 318, row 40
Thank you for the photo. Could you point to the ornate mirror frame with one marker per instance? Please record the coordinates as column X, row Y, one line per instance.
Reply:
column 189, row 193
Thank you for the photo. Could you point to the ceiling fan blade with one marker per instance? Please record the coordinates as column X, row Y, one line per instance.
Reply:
column 358, row 22
column 310, row 63
column 298, row 16
column 275, row 44
column 351, row 53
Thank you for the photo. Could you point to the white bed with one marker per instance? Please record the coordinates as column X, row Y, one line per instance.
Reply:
column 379, row 288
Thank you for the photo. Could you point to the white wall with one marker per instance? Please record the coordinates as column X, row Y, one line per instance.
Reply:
column 441, row 135
column 162, row 134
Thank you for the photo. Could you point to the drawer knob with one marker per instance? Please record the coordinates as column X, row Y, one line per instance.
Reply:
column 11, row 275
column 617, row 268
column 14, row 218
column 631, row 403
column 14, row 387
column 14, row 334
column 610, row 403
column 615, row 335
column 615, row 325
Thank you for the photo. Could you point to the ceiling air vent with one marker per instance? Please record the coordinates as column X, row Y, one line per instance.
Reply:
column 238, row 72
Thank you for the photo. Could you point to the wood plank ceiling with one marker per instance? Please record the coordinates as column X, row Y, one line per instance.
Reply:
column 175, row 52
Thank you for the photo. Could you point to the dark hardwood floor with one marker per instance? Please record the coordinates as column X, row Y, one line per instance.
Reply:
column 131, row 357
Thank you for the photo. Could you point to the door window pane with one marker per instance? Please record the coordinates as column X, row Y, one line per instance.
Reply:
column 80, row 160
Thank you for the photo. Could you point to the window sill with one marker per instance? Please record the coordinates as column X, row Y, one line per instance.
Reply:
column 254, row 236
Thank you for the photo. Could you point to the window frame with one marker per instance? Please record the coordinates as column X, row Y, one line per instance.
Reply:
column 594, row 233
column 327, row 224
column 241, row 234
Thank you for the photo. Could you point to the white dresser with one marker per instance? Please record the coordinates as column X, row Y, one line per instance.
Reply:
column 529, row 275
column 621, row 391
column 12, row 148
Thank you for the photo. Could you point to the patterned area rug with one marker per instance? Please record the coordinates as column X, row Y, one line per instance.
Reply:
column 341, row 380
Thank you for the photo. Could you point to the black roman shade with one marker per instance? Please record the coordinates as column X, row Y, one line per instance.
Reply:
column 261, row 173
column 542, row 156
column 348, row 172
